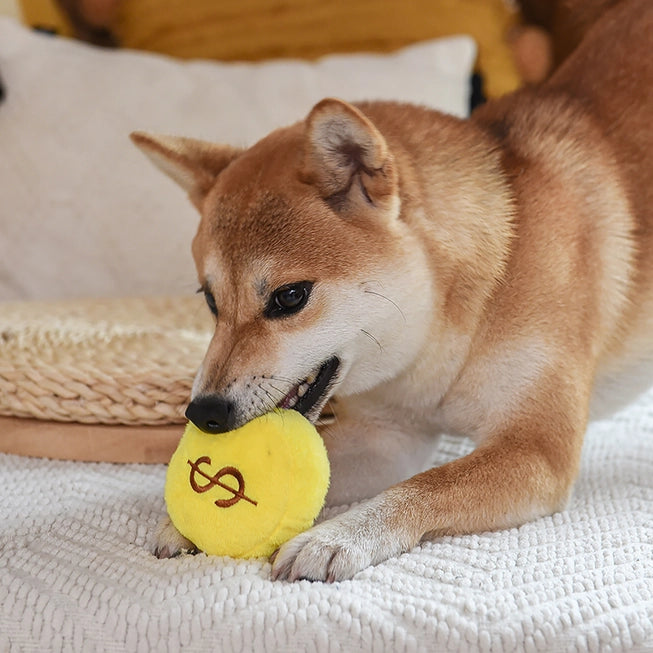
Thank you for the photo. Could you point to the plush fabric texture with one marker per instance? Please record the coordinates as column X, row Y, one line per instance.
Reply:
column 75, row 573
column 246, row 492
column 84, row 212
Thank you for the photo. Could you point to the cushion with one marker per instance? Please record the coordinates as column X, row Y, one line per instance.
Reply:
column 84, row 213
column 261, row 29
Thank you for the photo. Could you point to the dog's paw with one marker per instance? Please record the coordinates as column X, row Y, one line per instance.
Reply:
column 340, row 547
column 168, row 541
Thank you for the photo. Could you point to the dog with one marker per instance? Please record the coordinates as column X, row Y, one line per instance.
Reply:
column 490, row 277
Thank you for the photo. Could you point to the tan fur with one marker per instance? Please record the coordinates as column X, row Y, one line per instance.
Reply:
column 481, row 277
column 566, row 20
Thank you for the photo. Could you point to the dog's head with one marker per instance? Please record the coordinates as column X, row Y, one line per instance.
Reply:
column 316, row 283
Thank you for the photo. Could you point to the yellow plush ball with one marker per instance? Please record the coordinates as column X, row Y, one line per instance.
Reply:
column 246, row 492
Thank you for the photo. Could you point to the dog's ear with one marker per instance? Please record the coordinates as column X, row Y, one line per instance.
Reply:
column 192, row 163
column 348, row 159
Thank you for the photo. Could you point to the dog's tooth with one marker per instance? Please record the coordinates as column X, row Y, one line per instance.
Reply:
column 303, row 388
column 310, row 379
column 292, row 402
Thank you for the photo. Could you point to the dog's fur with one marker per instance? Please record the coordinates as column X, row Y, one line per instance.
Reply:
column 488, row 277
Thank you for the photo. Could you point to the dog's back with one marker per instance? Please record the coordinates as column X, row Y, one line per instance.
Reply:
column 611, row 73
column 618, row 49
column 591, row 122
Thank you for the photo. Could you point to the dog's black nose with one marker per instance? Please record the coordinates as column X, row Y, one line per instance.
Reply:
column 211, row 414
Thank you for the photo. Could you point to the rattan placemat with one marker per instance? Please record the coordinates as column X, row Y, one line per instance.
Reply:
column 108, row 361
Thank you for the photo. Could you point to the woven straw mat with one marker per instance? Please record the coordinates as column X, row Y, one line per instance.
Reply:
column 109, row 361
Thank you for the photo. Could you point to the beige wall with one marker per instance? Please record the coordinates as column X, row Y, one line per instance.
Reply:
column 9, row 8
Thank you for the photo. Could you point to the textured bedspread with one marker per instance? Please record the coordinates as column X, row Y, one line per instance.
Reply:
column 75, row 573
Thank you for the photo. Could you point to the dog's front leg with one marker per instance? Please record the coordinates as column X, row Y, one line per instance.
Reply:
column 520, row 473
column 368, row 454
column 168, row 542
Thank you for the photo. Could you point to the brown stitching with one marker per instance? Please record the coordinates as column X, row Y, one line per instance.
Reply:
column 215, row 480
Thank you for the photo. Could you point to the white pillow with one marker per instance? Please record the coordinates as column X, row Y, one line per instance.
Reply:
column 82, row 212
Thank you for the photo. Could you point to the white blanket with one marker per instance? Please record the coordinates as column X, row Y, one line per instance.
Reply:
column 76, row 575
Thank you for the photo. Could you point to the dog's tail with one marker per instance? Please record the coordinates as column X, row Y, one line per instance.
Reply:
column 567, row 21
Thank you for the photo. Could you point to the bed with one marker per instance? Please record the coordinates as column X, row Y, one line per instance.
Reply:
column 100, row 332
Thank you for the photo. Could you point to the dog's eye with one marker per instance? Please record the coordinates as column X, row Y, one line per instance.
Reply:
column 288, row 299
column 210, row 301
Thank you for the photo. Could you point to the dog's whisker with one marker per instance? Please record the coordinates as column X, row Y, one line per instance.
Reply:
column 378, row 294
column 271, row 397
column 262, row 404
column 263, row 389
column 371, row 337
column 284, row 379
column 279, row 390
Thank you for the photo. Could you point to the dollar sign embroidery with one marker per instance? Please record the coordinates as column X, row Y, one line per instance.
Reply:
column 215, row 480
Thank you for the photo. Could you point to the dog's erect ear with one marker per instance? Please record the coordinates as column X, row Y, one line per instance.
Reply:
column 193, row 164
column 347, row 158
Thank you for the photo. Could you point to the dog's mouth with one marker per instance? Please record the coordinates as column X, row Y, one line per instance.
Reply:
column 309, row 395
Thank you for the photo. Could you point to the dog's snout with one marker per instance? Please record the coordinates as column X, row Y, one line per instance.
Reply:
column 211, row 414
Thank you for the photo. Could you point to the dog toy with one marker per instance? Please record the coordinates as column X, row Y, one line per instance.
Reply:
column 246, row 492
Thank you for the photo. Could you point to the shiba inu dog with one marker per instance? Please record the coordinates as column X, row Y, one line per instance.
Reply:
column 490, row 277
